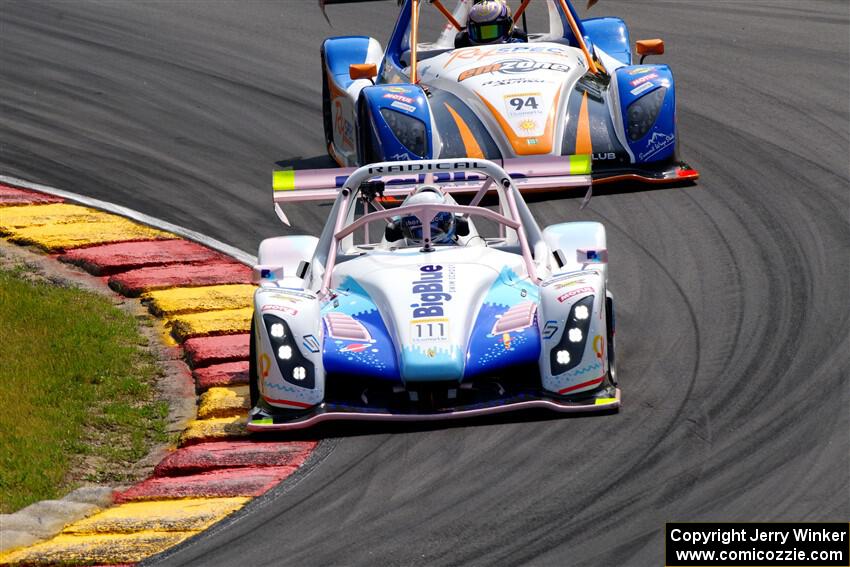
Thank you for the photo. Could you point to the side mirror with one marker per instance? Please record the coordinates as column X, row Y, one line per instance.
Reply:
column 283, row 257
column 647, row 47
column 363, row 71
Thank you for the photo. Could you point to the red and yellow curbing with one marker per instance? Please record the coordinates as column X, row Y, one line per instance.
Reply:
column 204, row 300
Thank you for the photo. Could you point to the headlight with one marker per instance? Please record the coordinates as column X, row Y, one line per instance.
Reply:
column 294, row 367
column 642, row 113
column 409, row 131
column 568, row 352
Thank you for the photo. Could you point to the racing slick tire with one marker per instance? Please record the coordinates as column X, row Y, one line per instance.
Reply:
column 612, row 358
column 327, row 118
column 253, row 379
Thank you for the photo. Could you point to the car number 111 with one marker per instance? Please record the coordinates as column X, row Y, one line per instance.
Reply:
column 429, row 330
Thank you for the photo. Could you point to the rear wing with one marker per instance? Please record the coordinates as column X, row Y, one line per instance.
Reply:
column 529, row 175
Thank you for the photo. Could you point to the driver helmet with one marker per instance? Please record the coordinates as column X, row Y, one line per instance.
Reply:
column 442, row 226
column 490, row 21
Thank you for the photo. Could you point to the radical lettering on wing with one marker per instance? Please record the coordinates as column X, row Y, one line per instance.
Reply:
column 429, row 287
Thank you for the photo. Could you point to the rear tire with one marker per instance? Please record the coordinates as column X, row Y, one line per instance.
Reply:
column 253, row 379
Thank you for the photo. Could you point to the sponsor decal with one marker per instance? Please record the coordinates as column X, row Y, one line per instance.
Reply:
column 644, row 79
column 506, row 340
column 513, row 66
column 355, row 347
column 403, row 106
column 550, row 329
column 573, row 293
column 568, row 275
column 398, row 97
column 599, row 256
column 400, row 157
column 570, row 283
column 265, row 365
column 282, row 308
column 528, row 125
column 429, row 288
column 311, row 343
column 417, row 167
column 343, row 126
column 480, row 53
column 598, row 346
column 604, row 157
column 296, row 293
column 398, row 90
column 642, row 89
column 639, row 71
column 285, row 293
column 513, row 81
column 656, row 144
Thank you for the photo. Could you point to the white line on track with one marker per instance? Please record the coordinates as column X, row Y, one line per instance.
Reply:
column 154, row 222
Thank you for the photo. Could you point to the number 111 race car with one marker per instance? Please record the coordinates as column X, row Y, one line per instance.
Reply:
column 502, row 90
column 410, row 306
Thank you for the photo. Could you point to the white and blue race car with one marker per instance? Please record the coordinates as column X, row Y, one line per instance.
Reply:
column 570, row 87
column 410, row 306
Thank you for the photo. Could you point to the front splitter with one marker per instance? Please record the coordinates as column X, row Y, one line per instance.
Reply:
column 324, row 413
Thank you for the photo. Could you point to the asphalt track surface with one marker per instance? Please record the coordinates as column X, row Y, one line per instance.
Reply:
column 732, row 294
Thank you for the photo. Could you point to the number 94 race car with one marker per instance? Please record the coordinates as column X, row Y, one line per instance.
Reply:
column 550, row 84
column 411, row 306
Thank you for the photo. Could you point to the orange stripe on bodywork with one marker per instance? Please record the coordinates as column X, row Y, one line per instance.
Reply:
column 469, row 142
column 522, row 145
column 584, row 145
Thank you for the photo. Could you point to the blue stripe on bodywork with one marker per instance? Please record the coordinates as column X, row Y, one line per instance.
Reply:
column 347, row 357
column 488, row 353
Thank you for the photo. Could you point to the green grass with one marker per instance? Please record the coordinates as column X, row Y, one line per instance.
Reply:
column 77, row 395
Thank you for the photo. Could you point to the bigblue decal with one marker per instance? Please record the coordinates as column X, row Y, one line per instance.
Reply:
column 430, row 288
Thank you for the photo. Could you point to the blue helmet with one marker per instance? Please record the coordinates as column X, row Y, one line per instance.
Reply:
column 443, row 226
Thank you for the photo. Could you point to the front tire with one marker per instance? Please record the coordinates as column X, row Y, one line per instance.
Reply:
column 253, row 378
column 612, row 358
column 327, row 116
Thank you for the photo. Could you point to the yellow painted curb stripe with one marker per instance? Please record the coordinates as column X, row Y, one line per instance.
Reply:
column 40, row 215
column 227, row 322
column 216, row 428
column 283, row 180
column 178, row 300
column 224, row 402
column 58, row 237
column 580, row 165
column 72, row 549
column 188, row 514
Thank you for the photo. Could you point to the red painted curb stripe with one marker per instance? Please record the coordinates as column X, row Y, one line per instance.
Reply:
column 227, row 374
column 108, row 259
column 214, row 484
column 135, row 282
column 12, row 196
column 204, row 351
column 582, row 385
column 233, row 454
